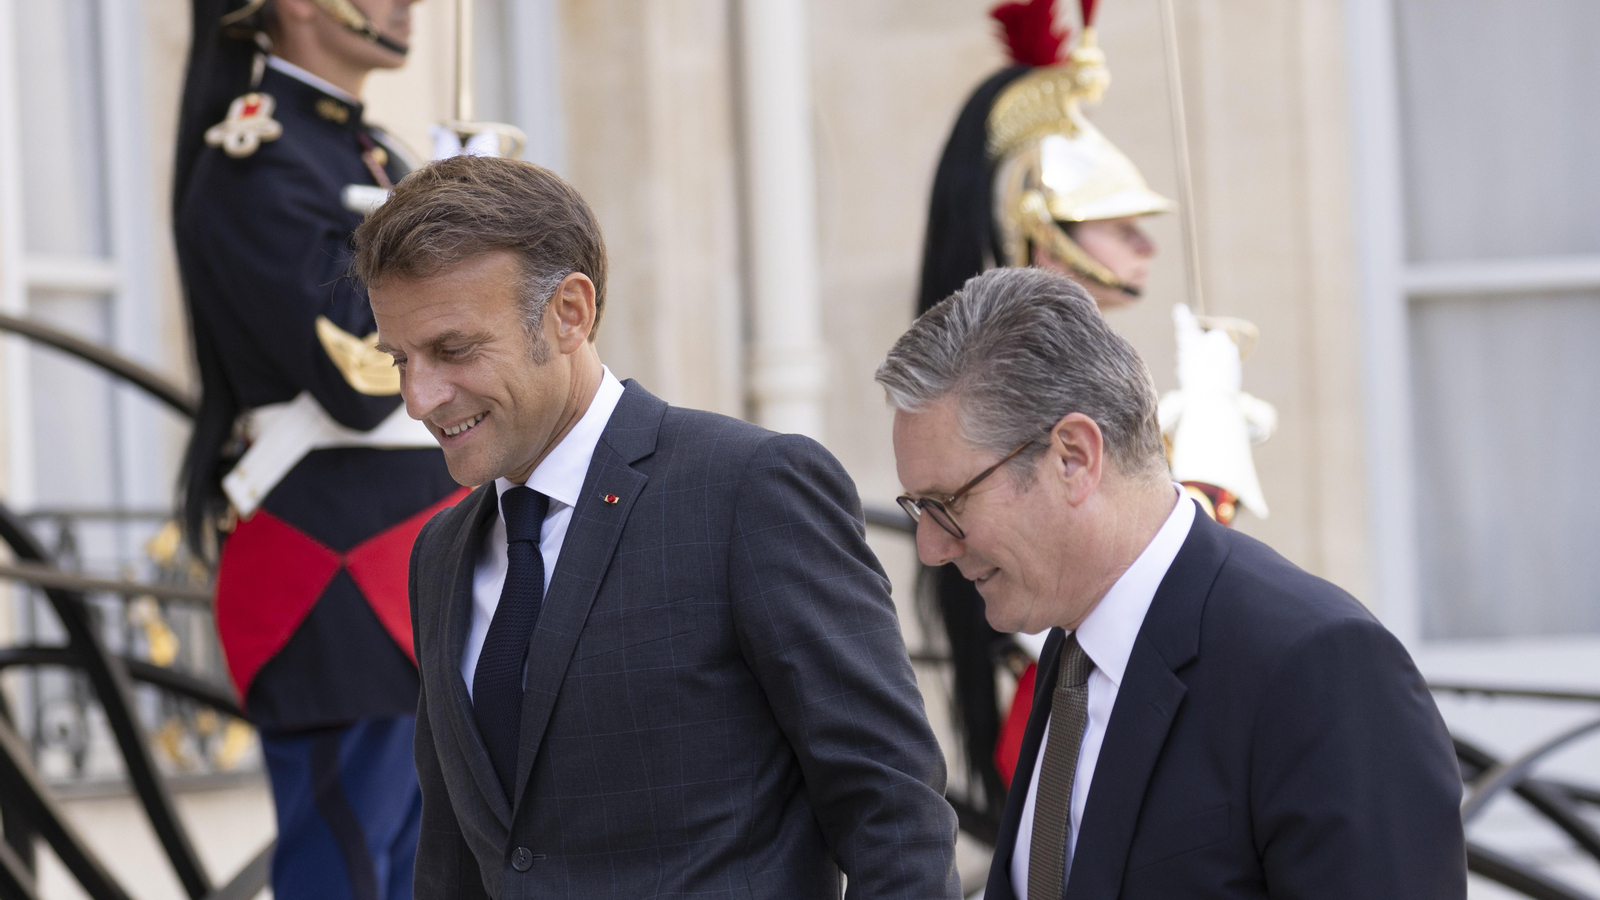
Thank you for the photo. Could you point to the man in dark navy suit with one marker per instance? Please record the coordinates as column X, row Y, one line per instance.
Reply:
column 1209, row 720
column 658, row 658
column 301, row 453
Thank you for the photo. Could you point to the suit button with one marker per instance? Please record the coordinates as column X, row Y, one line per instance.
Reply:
column 522, row 859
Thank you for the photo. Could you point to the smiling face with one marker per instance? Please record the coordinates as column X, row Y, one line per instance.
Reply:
column 1023, row 547
column 495, row 397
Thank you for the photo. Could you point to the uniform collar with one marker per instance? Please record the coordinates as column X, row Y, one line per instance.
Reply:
column 324, row 99
column 560, row 474
column 1108, row 633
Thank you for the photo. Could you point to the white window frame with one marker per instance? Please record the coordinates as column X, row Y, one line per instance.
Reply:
column 1389, row 285
column 126, row 275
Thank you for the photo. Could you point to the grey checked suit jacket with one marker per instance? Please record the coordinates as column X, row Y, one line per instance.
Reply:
column 718, row 700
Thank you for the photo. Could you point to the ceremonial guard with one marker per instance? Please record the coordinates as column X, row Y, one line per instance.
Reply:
column 302, row 461
column 1027, row 180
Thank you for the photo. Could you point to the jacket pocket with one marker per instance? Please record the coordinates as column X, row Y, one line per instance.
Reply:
column 1162, row 841
column 621, row 629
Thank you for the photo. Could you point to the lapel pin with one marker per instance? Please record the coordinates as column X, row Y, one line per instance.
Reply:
column 611, row 499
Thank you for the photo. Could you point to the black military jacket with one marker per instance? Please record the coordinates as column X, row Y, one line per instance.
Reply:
column 263, row 244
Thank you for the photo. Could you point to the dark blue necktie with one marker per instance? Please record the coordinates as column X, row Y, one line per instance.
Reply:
column 497, row 681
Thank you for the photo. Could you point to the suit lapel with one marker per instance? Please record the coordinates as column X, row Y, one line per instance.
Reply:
column 999, row 884
column 457, row 589
column 1147, row 702
column 609, row 491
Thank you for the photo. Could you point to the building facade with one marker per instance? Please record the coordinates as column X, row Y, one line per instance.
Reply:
column 1397, row 192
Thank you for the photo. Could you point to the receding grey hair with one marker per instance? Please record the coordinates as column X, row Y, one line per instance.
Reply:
column 1018, row 349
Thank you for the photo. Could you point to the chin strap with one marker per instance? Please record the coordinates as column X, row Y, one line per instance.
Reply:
column 343, row 10
column 356, row 20
column 1040, row 229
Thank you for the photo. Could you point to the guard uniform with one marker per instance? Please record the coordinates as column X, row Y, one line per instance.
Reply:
column 311, row 601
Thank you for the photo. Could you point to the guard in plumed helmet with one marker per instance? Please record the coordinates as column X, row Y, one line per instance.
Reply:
column 1026, row 180
column 304, row 475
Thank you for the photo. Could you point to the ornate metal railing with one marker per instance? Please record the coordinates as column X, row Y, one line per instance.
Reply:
column 30, row 808
column 1561, row 804
column 58, row 712
column 1570, row 808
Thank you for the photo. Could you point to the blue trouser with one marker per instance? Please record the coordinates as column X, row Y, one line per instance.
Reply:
column 349, row 809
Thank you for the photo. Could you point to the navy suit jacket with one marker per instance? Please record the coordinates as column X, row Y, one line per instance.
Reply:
column 1269, row 739
column 718, row 701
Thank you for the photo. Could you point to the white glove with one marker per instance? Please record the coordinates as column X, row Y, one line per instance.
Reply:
column 447, row 143
column 1210, row 422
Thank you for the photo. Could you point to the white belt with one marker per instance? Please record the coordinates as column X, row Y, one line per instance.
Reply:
column 281, row 434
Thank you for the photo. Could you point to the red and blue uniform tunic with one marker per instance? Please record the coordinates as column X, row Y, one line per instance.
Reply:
column 311, row 589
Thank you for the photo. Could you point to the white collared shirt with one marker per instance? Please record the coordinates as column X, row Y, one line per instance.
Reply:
column 1107, row 636
column 316, row 81
column 558, row 476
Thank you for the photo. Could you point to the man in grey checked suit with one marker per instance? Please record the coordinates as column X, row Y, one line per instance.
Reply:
column 658, row 658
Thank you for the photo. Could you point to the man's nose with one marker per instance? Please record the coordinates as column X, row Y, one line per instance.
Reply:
column 424, row 389
column 935, row 546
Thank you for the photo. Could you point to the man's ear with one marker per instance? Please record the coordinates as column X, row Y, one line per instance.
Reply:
column 572, row 312
column 1076, row 456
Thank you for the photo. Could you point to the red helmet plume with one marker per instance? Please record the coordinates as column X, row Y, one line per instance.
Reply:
column 1030, row 31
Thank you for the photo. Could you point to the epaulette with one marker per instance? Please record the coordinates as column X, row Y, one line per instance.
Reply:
column 249, row 122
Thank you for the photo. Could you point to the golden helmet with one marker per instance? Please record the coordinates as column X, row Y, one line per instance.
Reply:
column 1053, row 167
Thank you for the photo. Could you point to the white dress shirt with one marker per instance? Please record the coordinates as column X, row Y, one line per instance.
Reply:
column 558, row 476
column 1107, row 636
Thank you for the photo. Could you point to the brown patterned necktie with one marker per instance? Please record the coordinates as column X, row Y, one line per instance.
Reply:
column 1052, row 809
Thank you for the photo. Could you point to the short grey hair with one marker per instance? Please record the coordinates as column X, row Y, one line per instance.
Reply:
column 1018, row 349
column 535, row 295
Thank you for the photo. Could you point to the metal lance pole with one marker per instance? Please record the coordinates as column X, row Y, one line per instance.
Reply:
column 509, row 139
column 1180, row 138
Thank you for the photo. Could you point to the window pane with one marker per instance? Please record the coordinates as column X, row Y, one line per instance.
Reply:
column 1507, row 399
column 1497, row 101
column 74, row 431
column 63, row 127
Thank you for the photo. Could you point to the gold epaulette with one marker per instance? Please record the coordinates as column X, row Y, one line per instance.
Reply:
column 368, row 369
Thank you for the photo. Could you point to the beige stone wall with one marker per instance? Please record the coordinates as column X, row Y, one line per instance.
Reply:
column 651, row 143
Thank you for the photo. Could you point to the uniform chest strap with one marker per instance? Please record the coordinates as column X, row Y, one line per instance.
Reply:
column 281, row 434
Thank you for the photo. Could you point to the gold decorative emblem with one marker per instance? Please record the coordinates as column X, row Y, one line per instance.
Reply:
column 368, row 369
column 249, row 122
column 333, row 110
column 1045, row 100
column 1053, row 165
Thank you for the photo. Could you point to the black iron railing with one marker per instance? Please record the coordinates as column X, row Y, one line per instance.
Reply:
column 29, row 806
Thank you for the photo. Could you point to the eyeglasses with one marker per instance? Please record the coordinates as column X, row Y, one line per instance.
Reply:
column 938, row 508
